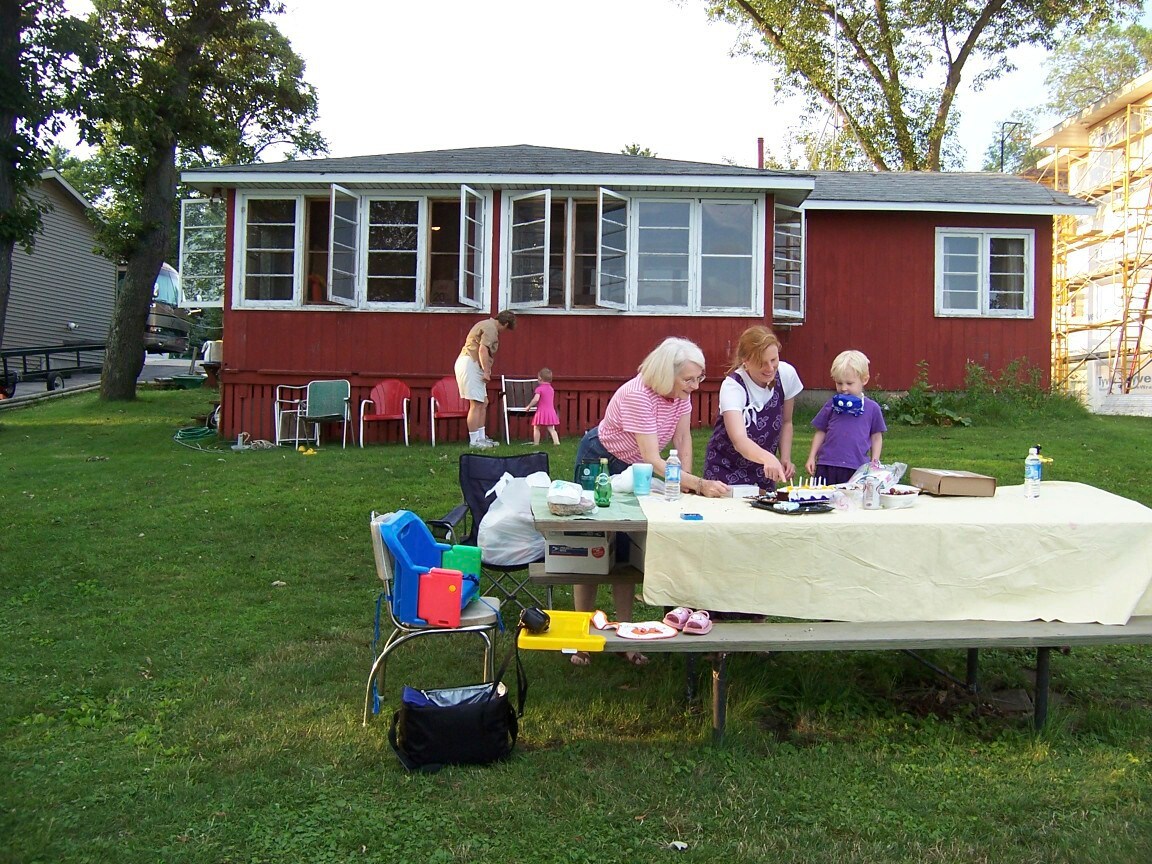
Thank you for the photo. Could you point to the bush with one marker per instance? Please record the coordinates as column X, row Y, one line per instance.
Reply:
column 1012, row 397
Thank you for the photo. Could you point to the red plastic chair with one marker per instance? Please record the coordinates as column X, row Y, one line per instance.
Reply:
column 389, row 401
column 446, row 403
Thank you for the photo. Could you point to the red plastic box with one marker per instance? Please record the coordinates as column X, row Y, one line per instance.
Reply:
column 439, row 599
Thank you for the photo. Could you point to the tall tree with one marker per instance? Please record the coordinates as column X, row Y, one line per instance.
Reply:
column 199, row 79
column 893, row 70
column 1088, row 67
column 35, row 42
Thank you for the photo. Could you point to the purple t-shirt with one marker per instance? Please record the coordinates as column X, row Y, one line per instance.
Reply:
column 848, row 439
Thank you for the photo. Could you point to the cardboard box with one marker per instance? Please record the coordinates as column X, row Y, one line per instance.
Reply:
column 580, row 552
column 940, row 481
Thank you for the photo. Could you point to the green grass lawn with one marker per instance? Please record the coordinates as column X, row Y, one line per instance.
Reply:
column 165, row 701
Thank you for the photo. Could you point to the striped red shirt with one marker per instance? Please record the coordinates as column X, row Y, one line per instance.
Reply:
column 636, row 409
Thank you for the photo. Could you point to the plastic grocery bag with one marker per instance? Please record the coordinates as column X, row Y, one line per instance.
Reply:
column 507, row 534
column 887, row 475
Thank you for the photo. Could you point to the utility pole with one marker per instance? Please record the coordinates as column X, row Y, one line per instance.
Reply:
column 1003, row 128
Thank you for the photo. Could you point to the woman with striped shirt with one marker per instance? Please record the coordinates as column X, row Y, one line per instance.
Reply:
column 647, row 414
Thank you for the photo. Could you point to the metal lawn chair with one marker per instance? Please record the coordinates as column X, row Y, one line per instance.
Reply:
column 515, row 394
column 481, row 616
column 327, row 402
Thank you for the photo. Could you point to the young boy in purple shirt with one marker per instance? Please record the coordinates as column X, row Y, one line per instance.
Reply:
column 850, row 427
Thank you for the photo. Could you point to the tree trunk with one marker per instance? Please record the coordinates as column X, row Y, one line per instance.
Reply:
column 124, row 357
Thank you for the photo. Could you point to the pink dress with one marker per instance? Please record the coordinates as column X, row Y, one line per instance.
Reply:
column 546, row 406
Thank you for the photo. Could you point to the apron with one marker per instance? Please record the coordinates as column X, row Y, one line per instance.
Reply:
column 721, row 459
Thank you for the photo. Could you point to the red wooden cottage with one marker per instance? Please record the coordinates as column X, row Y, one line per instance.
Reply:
column 376, row 266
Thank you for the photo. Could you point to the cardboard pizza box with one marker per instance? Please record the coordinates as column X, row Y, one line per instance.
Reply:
column 940, row 481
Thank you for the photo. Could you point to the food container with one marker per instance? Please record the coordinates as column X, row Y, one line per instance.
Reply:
column 898, row 497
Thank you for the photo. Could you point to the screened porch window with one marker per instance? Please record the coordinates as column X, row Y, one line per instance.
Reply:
column 203, row 242
column 984, row 273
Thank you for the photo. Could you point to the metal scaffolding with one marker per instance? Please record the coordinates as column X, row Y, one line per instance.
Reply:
column 1103, row 261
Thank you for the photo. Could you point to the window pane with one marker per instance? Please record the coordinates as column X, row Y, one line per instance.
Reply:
column 394, row 212
column 444, row 263
column 662, row 280
column 613, row 250
column 726, row 282
column 584, row 251
column 726, row 229
column 392, row 264
column 664, row 214
column 557, row 254
column 389, row 290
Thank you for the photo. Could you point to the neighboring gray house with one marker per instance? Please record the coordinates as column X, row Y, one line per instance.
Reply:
column 63, row 291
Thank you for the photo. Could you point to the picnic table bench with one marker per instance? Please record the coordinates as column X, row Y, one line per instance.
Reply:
column 732, row 637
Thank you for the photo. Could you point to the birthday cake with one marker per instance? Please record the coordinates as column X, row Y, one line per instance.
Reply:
column 806, row 494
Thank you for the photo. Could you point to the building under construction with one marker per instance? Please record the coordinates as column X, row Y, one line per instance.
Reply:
column 1102, row 339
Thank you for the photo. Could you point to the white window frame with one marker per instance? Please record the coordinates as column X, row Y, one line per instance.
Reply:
column 239, row 267
column 469, row 196
column 480, row 201
column 985, row 235
column 756, row 258
column 342, row 282
column 419, row 301
column 542, row 299
column 602, row 298
column 203, row 251
column 780, row 313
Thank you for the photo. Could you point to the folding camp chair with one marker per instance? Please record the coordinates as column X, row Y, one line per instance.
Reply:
column 403, row 536
column 290, row 398
column 478, row 474
column 327, row 402
column 515, row 394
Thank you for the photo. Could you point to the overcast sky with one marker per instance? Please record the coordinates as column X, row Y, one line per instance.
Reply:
column 594, row 74
column 402, row 75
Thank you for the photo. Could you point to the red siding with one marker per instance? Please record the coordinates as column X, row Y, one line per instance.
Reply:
column 871, row 284
column 870, row 281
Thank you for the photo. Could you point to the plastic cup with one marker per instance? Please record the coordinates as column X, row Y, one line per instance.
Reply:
column 642, row 478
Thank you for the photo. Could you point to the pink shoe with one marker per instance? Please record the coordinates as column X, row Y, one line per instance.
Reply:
column 698, row 623
column 678, row 617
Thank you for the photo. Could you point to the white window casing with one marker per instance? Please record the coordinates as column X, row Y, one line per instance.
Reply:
column 530, row 248
column 788, row 263
column 203, row 244
column 985, row 273
column 473, row 233
column 343, row 245
column 612, row 250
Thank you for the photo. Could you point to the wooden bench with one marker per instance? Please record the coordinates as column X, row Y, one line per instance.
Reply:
column 621, row 573
column 732, row 637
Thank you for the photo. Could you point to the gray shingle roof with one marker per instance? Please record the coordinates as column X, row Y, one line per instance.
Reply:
column 926, row 187
column 516, row 159
column 879, row 190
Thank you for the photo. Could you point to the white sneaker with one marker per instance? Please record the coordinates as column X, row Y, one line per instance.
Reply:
column 491, row 442
column 483, row 444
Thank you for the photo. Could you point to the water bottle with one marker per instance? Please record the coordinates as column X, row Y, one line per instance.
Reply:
column 1032, row 467
column 672, row 477
column 602, row 492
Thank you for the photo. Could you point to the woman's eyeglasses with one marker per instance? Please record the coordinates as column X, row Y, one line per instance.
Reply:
column 699, row 379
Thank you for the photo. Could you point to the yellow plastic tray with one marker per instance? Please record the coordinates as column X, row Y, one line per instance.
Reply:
column 567, row 631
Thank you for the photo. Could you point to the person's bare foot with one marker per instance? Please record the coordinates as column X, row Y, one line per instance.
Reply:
column 581, row 658
column 636, row 658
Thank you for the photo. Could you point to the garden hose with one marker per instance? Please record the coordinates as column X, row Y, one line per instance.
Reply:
column 194, row 436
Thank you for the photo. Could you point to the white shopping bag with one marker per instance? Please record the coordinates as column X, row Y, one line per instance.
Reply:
column 507, row 534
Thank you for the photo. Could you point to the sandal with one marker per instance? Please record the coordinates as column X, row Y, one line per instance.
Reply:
column 635, row 658
column 581, row 658
column 698, row 623
column 678, row 617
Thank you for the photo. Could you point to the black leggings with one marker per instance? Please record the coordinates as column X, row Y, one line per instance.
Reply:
column 591, row 450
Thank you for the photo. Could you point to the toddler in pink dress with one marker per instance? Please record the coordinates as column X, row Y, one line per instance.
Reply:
column 544, row 401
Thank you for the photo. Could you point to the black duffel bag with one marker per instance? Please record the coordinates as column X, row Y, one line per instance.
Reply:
column 471, row 725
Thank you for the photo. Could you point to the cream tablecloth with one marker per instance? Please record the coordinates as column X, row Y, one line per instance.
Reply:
column 1075, row 554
